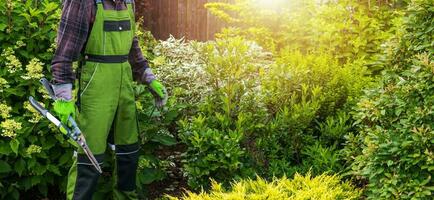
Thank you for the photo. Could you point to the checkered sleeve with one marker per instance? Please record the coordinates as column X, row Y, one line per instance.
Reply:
column 71, row 37
column 138, row 62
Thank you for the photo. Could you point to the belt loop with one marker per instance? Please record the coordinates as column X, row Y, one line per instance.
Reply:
column 112, row 147
column 85, row 58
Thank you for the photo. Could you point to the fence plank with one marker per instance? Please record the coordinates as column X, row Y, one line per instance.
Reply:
column 181, row 18
column 174, row 18
column 202, row 20
column 165, row 8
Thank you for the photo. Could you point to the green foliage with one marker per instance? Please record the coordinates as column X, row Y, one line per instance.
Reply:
column 33, row 155
column 211, row 153
column 147, row 41
column 348, row 30
column 339, row 84
column 334, row 128
column 33, row 22
column 176, row 63
column 214, row 135
column 417, row 36
column 268, row 113
column 322, row 187
column 393, row 150
column 396, row 135
column 156, row 126
column 240, row 110
column 179, row 65
column 306, row 96
column 319, row 158
column 289, row 132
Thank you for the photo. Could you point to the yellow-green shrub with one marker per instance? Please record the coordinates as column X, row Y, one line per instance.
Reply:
column 323, row 187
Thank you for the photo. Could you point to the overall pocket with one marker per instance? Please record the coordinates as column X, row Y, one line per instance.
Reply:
column 88, row 72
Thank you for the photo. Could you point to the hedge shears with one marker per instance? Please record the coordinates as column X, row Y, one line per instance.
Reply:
column 71, row 130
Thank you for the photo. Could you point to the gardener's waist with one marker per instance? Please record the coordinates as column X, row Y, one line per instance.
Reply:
column 106, row 58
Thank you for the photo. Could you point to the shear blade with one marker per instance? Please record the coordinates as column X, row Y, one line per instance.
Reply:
column 89, row 154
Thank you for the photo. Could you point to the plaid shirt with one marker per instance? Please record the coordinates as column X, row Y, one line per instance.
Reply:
column 75, row 25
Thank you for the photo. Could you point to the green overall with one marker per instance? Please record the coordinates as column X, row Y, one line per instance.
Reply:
column 107, row 104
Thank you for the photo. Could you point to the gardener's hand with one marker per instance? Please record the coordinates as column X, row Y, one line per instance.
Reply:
column 64, row 109
column 159, row 92
column 64, row 106
column 155, row 87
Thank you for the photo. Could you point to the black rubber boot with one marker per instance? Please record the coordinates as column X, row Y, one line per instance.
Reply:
column 127, row 157
column 86, row 178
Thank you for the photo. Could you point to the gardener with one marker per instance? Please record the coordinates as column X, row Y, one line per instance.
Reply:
column 101, row 33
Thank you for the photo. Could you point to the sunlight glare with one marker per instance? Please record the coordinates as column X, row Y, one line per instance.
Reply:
column 271, row 4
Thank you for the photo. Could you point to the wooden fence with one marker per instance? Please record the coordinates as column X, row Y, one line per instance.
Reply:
column 180, row 18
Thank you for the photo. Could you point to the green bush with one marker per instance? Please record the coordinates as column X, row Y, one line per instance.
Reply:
column 32, row 22
column 33, row 157
column 417, row 34
column 214, row 134
column 348, row 30
column 397, row 131
column 322, row 187
column 180, row 66
column 394, row 148
column 211, row 153
column 289, row 132
column 157, row 126
column 340, row 85
column 268, row 112
column 305, row 96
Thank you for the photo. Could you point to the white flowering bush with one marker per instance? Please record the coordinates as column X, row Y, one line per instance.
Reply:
column 34, row 70
column 178, row 64
column 33, row 157
column 10, row 128
column 181, row 65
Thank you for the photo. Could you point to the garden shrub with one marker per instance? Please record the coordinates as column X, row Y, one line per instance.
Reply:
column 180, row 66
column 320, row 158
column 288, row 132
column 323, row 187
column 269, row 112
column 33, row 23
column 157, row 126
column 214, row 134
column 393, row 150
column 305, row 96
column 347, row 30
column 33, row 157
column 340, row 84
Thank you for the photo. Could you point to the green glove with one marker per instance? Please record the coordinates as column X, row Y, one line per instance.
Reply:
column 64, row 109
column 157, row 89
